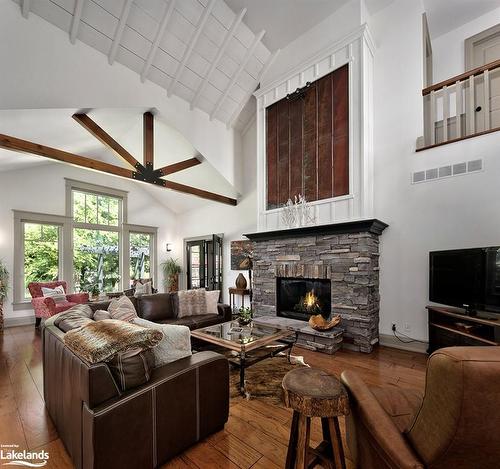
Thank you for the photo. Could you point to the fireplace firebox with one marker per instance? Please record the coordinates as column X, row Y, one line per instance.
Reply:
column 299, row 298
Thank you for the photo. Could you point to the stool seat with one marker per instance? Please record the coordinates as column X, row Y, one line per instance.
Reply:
column 314, row 393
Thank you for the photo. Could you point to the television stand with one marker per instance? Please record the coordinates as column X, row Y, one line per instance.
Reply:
column 449, row 327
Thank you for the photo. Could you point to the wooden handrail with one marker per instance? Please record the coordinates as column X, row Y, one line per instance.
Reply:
column 462, row 77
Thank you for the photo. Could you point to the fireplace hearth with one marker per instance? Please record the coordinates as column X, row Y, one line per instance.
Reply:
column 299, row 298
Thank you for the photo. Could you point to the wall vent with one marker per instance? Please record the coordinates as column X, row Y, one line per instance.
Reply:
column 447, row 171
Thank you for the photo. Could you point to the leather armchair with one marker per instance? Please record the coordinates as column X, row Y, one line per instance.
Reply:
column 455, row 424
column 46, row 307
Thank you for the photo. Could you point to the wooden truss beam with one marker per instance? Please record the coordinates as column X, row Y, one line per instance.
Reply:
column 148, row 138
column 181, row 165
column 88, row 124
column 175, row 186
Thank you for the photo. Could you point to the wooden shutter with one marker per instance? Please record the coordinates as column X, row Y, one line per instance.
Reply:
column 307, row 142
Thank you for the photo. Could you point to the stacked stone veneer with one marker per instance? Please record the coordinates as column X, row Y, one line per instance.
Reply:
column 350, row 261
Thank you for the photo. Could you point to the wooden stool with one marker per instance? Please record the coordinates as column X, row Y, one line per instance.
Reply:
column 314, row 393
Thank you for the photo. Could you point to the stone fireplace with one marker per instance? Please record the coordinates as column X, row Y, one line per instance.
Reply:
column 338, row 260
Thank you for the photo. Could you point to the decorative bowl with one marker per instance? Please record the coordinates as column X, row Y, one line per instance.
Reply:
column 244, row 321
column 319, row 323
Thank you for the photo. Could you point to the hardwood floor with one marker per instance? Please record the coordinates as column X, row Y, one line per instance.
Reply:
column 256, row 435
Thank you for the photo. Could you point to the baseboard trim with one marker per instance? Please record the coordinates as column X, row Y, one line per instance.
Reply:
column 19, row 321
column 388, row 340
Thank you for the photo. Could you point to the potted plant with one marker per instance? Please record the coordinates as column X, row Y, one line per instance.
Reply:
column 4, row 286
column 245, row 316
column 171, row 270
column 94, row 291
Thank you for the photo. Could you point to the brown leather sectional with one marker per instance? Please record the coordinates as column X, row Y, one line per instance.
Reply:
column 104, row 428
column 162, row 308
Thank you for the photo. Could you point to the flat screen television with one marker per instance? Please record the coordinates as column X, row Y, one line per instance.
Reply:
column 466, row 278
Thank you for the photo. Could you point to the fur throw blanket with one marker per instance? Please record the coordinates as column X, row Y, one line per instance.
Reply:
column 98, row 341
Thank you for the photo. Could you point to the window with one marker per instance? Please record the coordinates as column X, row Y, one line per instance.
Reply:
column 96, row 241
column 92, row 247
column 40, row 253
column 140, row 256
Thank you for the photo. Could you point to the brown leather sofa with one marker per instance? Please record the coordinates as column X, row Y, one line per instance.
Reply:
column 456, row 424
column 104, row 428
column 162, row 308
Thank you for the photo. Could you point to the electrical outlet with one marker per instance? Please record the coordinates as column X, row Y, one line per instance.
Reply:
column 407, row 327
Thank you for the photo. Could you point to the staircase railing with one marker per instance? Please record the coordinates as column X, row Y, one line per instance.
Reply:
column 458, row 108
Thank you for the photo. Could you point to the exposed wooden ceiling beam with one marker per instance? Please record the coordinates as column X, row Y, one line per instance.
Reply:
column 256, row 82
column 119, row 31
column 75, row 21
column 237, row 74
column 25, row 7
column 175, row 186
column 220, row 53
column 158, row 38
column 88, row 124
column 24, row 146
column 17, row 144
column 148, row 138
column 189, row 49
column 181, row 165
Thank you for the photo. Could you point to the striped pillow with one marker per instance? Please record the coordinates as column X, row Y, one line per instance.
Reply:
column 122, row 308
column 57, row 294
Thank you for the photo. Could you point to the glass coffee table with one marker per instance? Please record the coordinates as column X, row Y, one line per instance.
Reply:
column 249, row 344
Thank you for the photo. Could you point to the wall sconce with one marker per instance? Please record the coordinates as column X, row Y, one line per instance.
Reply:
column 169, row 247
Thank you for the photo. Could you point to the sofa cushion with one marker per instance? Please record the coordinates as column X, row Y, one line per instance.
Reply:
column 98, row 341
column 57, row 294
column 131, row 368
column 191, row 302
column 101, row 314
column 156, row 307
column 212, row 299
column 205, row 320
column 74, row 317
column 122, row 308
column 176, row 342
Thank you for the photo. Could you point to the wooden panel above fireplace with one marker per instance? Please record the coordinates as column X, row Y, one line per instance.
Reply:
column 307, row 142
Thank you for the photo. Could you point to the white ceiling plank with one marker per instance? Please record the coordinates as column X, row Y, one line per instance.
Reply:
column 220, row 53
column 158, row 38
column 25, row 7
column 265, row 68
column 75, row 22
column 249, row 54
column 119, row 31
column 192, row 43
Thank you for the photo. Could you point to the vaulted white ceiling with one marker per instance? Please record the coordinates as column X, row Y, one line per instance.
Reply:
column 199, row 50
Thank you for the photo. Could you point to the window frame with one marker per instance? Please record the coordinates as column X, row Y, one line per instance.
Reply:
column 22, row 217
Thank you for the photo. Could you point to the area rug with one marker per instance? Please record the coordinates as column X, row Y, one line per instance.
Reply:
column 263, row 379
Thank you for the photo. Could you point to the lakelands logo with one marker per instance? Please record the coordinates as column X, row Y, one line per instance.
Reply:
column 11, row 456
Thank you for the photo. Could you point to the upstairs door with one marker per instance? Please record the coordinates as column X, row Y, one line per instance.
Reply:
column 482, row 49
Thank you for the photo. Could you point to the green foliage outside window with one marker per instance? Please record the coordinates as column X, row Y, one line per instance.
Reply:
column 140, row 256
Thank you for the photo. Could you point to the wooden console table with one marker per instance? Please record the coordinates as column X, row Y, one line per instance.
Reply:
column 449, row 327
column 233, row 292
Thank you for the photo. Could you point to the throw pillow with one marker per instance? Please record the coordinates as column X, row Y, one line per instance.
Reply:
column 101, row 314
column 191, row 302
column 176, row 342
column 58, row 294
column 98, row 341
column 143, row 289
column 212, row 299
column 131, row 367
column 73, row 318
column 122, row 308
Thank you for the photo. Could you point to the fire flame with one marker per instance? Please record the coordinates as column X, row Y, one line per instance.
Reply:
column 311, row 299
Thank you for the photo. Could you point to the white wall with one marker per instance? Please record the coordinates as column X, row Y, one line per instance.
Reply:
column 233, row 222
column 450, row 213
column 448, row 49
column 42, row 69
column 42, row 189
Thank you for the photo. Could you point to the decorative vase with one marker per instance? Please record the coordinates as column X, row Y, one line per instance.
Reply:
column 173, row 283
column 244, row 321
column 241, row 281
